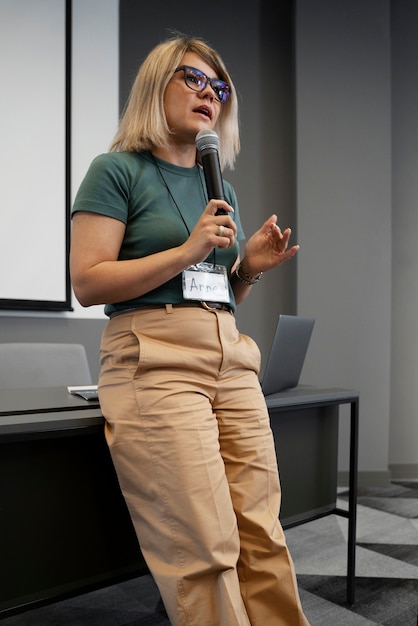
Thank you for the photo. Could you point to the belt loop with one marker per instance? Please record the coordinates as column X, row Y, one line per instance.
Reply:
column 168, row 308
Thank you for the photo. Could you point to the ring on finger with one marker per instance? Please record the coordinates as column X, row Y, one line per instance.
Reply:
column 221, row 231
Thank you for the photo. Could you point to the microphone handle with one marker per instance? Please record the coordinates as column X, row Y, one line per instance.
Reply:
column 213, row 177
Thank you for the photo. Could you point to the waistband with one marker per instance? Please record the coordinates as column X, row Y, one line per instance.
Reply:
column 209, row 306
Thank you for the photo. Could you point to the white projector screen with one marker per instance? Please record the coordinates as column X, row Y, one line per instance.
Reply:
column 35, row 49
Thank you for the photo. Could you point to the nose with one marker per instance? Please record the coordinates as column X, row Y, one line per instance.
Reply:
column 208, row 92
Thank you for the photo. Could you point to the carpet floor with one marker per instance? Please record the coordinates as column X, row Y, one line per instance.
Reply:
column 386, row 589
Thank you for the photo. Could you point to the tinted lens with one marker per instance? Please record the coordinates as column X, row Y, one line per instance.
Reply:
column 195, row 80
column 221, row 89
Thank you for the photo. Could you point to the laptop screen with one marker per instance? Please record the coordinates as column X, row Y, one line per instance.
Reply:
column 287, row 353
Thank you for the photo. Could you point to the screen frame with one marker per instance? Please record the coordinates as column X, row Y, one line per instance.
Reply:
column 63, row 301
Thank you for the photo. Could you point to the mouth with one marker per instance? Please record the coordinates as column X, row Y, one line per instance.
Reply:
column 204, row 110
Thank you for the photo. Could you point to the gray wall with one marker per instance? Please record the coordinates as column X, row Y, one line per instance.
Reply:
column 403, row 434
column 357, row 195
column 342, row 174
column 344, row 207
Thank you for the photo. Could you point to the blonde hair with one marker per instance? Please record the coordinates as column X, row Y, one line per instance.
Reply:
column 143, row 125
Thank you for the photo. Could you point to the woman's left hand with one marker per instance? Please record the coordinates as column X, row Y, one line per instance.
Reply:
column 268, row 247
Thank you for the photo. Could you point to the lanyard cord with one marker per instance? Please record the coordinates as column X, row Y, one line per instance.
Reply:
column 174, row 200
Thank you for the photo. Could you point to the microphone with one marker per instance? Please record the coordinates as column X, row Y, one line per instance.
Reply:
column 207, row 142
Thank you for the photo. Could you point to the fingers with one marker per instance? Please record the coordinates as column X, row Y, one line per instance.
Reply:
column 270, row 224
column 218, row 207
column 275, row 231
column 224, row 228
column 226, row 235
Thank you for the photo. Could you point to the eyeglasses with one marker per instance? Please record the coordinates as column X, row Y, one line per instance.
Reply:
column 197, row 80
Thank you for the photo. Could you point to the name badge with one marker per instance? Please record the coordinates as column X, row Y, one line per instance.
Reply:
column 205, row 282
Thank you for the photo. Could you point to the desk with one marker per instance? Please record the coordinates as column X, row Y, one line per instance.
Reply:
column 64, row 526
column 316, row 411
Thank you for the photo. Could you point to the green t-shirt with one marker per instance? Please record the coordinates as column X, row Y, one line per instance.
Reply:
column 160, row 205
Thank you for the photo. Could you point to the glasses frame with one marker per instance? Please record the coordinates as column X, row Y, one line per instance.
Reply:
column 215, row 83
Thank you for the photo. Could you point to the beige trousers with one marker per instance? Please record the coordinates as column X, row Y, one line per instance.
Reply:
column 189, row 434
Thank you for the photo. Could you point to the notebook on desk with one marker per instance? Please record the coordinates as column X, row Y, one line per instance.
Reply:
column 88, row 392
column 287, row 353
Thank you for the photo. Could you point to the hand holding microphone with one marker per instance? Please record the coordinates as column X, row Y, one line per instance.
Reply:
column 207, row 142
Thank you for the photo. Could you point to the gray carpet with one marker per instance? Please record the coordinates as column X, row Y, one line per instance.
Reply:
column 386, row 573
column 386, row 590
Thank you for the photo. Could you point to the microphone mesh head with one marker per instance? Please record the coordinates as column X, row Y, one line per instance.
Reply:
column 207, row 139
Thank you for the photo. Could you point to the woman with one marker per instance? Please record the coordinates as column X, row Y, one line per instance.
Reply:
column 186, row 421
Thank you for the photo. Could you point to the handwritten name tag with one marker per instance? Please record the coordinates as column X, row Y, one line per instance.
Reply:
column 205, row 282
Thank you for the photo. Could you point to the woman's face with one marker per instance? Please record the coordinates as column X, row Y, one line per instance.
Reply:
column 188, row 111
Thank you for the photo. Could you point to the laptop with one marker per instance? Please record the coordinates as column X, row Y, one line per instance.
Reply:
column 287, row 353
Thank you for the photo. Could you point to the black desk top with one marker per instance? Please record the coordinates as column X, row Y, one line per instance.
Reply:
column 308, row 394
column 45, row 409
column 52, row 409
column 42, row 400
